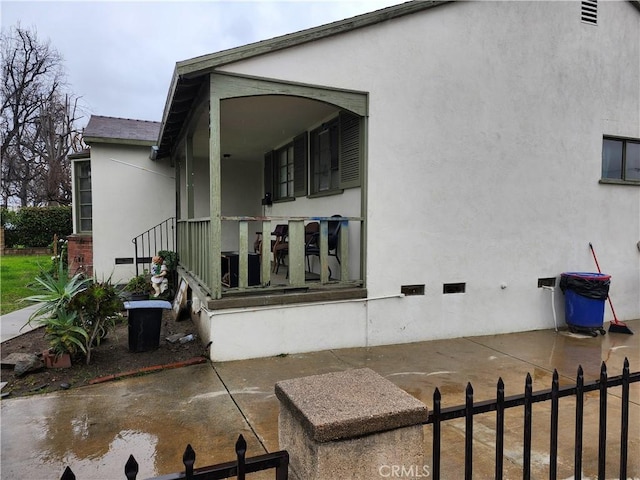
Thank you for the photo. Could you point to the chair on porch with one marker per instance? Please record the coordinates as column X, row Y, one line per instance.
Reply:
column 281, row 250
column 280, row 234
column 313, row 246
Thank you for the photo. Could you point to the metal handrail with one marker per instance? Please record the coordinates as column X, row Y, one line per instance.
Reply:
column 157, row 238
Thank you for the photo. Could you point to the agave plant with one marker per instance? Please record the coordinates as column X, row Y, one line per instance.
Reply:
column 54, row 293
column 76, row 312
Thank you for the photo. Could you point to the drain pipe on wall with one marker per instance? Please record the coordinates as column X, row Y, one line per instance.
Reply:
column 297, row 305
column 553, row 304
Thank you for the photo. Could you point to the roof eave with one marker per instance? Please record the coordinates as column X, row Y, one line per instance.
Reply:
column 119, row 141
column 204, row 64
column 208, row 62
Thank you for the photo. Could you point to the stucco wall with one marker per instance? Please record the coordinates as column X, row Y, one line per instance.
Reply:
column 267, row 332
column 130, row 194
column 484, row 158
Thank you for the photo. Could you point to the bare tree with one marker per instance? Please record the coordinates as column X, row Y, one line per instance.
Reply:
column 36, row 121
column 54, row 141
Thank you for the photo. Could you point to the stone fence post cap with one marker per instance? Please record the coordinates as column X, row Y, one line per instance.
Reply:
column 349, row 404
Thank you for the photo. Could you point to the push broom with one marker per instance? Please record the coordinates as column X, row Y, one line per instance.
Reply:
column 615, row 326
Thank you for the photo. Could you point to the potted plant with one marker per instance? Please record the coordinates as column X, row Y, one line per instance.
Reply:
column 55, row 290
column 139, row 287
column 66, row 339
column 98, row 308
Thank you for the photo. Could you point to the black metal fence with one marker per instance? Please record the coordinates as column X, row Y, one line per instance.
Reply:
column 439, row 415
column 278, row 461
column 149, row 243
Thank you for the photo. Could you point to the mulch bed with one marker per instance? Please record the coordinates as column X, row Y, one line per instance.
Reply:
column 110, row 360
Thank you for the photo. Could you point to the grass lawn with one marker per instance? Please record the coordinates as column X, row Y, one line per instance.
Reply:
column 16, row 272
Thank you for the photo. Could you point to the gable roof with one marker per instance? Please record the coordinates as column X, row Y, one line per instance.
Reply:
column 121, row 130
column 189, row 74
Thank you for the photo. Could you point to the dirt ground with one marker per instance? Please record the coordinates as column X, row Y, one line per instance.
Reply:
column 112, row 356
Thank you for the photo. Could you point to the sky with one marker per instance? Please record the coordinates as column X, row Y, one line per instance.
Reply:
column 119, row 56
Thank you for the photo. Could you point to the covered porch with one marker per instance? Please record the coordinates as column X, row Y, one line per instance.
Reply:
column 250, row 276
column 251, row 154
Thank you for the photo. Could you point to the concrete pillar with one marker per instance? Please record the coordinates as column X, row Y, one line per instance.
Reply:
column 353, row 424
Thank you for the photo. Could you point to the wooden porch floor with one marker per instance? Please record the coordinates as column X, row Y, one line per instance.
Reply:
column 279, row 292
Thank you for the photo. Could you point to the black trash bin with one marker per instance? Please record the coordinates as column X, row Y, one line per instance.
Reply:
column 145, row 322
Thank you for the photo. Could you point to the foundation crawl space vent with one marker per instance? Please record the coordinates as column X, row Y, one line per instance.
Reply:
column 589, row 12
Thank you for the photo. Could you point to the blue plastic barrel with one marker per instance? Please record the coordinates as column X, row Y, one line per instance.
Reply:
column 585, row 295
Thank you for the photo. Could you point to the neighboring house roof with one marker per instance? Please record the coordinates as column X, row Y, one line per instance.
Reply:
column 189, row 74
column 121, row 130
column 84, row 153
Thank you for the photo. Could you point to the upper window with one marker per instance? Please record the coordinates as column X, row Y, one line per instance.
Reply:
column 284, row 169
column 84, row 208
column 621, row 159
column 324, row 158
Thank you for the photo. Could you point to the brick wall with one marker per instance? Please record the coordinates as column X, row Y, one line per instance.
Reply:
column 80, row 253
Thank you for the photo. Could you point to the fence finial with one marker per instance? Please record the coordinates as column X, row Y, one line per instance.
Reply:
column 241, row 450
column 131, row 468
column 189, row 459
column 68, row 474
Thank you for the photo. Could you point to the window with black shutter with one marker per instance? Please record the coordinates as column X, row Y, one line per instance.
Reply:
column 300, row 165
column 350, row 151
column 326, row 160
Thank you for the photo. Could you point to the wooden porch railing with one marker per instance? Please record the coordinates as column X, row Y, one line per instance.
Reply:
column 196, row 249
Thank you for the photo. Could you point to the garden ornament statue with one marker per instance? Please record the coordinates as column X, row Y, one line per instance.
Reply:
column 159, row 280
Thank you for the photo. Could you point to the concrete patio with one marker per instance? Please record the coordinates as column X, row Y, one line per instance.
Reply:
column 94, row 429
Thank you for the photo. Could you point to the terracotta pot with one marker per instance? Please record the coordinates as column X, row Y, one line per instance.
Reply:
column 50, row 360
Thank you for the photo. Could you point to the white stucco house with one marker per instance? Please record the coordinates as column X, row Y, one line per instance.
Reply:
column 119, row 193
column 472, row 150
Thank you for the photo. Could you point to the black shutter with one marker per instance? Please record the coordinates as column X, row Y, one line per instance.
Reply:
column 268, row 173
column 300, row 165
column 350, row 151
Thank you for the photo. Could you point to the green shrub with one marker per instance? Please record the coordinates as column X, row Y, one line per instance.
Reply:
column 170, row 258
column 36, row 226
column 7, row 217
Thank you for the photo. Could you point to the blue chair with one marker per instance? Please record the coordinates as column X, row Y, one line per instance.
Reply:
column 312, row 248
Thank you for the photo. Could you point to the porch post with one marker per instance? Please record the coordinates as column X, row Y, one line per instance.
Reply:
column 189, row 175
column 214, row 190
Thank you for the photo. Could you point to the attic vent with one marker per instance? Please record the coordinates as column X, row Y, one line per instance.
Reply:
column 589, row 11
